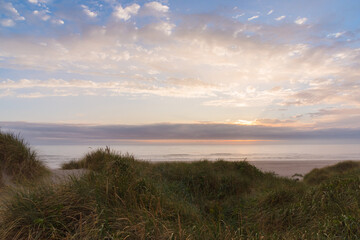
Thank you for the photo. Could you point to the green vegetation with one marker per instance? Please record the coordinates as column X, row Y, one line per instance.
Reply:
column 17, row 160
column 317, row 176
column 123, row 198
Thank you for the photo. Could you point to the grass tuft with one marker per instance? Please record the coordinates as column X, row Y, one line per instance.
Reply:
column 18, row 160
column 96, row 160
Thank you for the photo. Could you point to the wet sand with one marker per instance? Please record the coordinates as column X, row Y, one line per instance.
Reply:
column 289, row 168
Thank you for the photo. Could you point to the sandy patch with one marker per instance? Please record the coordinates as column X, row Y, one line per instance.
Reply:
column 59, row 175
column 289, row 168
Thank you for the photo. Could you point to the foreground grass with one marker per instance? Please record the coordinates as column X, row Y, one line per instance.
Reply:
column 123, row 198
column 17, row 160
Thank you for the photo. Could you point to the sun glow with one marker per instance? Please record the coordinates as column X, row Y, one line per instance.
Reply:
column 246, row 122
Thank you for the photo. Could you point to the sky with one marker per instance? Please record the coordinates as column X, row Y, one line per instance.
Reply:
column 196, row 70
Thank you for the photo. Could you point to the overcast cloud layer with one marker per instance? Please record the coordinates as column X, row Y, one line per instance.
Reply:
column 38, row 133
column 271, row 64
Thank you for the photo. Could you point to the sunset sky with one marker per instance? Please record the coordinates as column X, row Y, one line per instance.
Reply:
column 247, row 69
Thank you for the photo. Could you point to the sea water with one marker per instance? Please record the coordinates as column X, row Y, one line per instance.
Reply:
column 55, row 155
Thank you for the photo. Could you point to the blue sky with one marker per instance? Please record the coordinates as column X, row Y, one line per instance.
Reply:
column 274, row 64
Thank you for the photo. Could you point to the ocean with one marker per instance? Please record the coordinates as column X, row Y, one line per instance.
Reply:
column 55, row 155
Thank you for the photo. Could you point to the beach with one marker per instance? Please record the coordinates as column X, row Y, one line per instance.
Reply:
column 289, row 168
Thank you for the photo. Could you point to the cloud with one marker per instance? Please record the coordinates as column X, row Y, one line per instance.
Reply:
column 126, row 13
column 12, row 11
column 128, row 55
column 226, row 103
column 42, row 133
column 157, row 7
column 40, row 2
column 329, row 90
column 336, row 35
column 239, row 15
column 274, row 122
column 250, row 97
column 164, row 27
column 280, row 18
column 250, row 89
column 331, row 117
column 205, row 56
column 88, row 12
column 58, row 21
column 9, row 7
column 270, row 12
column 343, row 112
column 301, row 21
column 337, row 117
column 28, row 88
column 7, row 22
column 253, row 17
column 43, row 14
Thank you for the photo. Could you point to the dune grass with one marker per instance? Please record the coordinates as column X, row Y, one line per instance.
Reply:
column 317, row 176
column 18, row 160
column 124, row 198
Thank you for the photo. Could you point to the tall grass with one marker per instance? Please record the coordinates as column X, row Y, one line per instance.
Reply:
column 317, row 176
column 124, row 198
column 18, row 160
column 112, row 202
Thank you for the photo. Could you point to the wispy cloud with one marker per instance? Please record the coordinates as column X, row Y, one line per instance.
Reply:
column 12, row 11
column 336, row 35
column 58, row 21
column 238, row 15
column 337, row 111
column 7, row 23
column 280, row 18
column 301, row 21
column 27, row 88
column 88, row 12
column 43, row 14
column 253, row 17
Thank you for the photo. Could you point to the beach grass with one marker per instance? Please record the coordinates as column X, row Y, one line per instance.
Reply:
column 120, row 197
column 317, row 176
column 17, row 160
